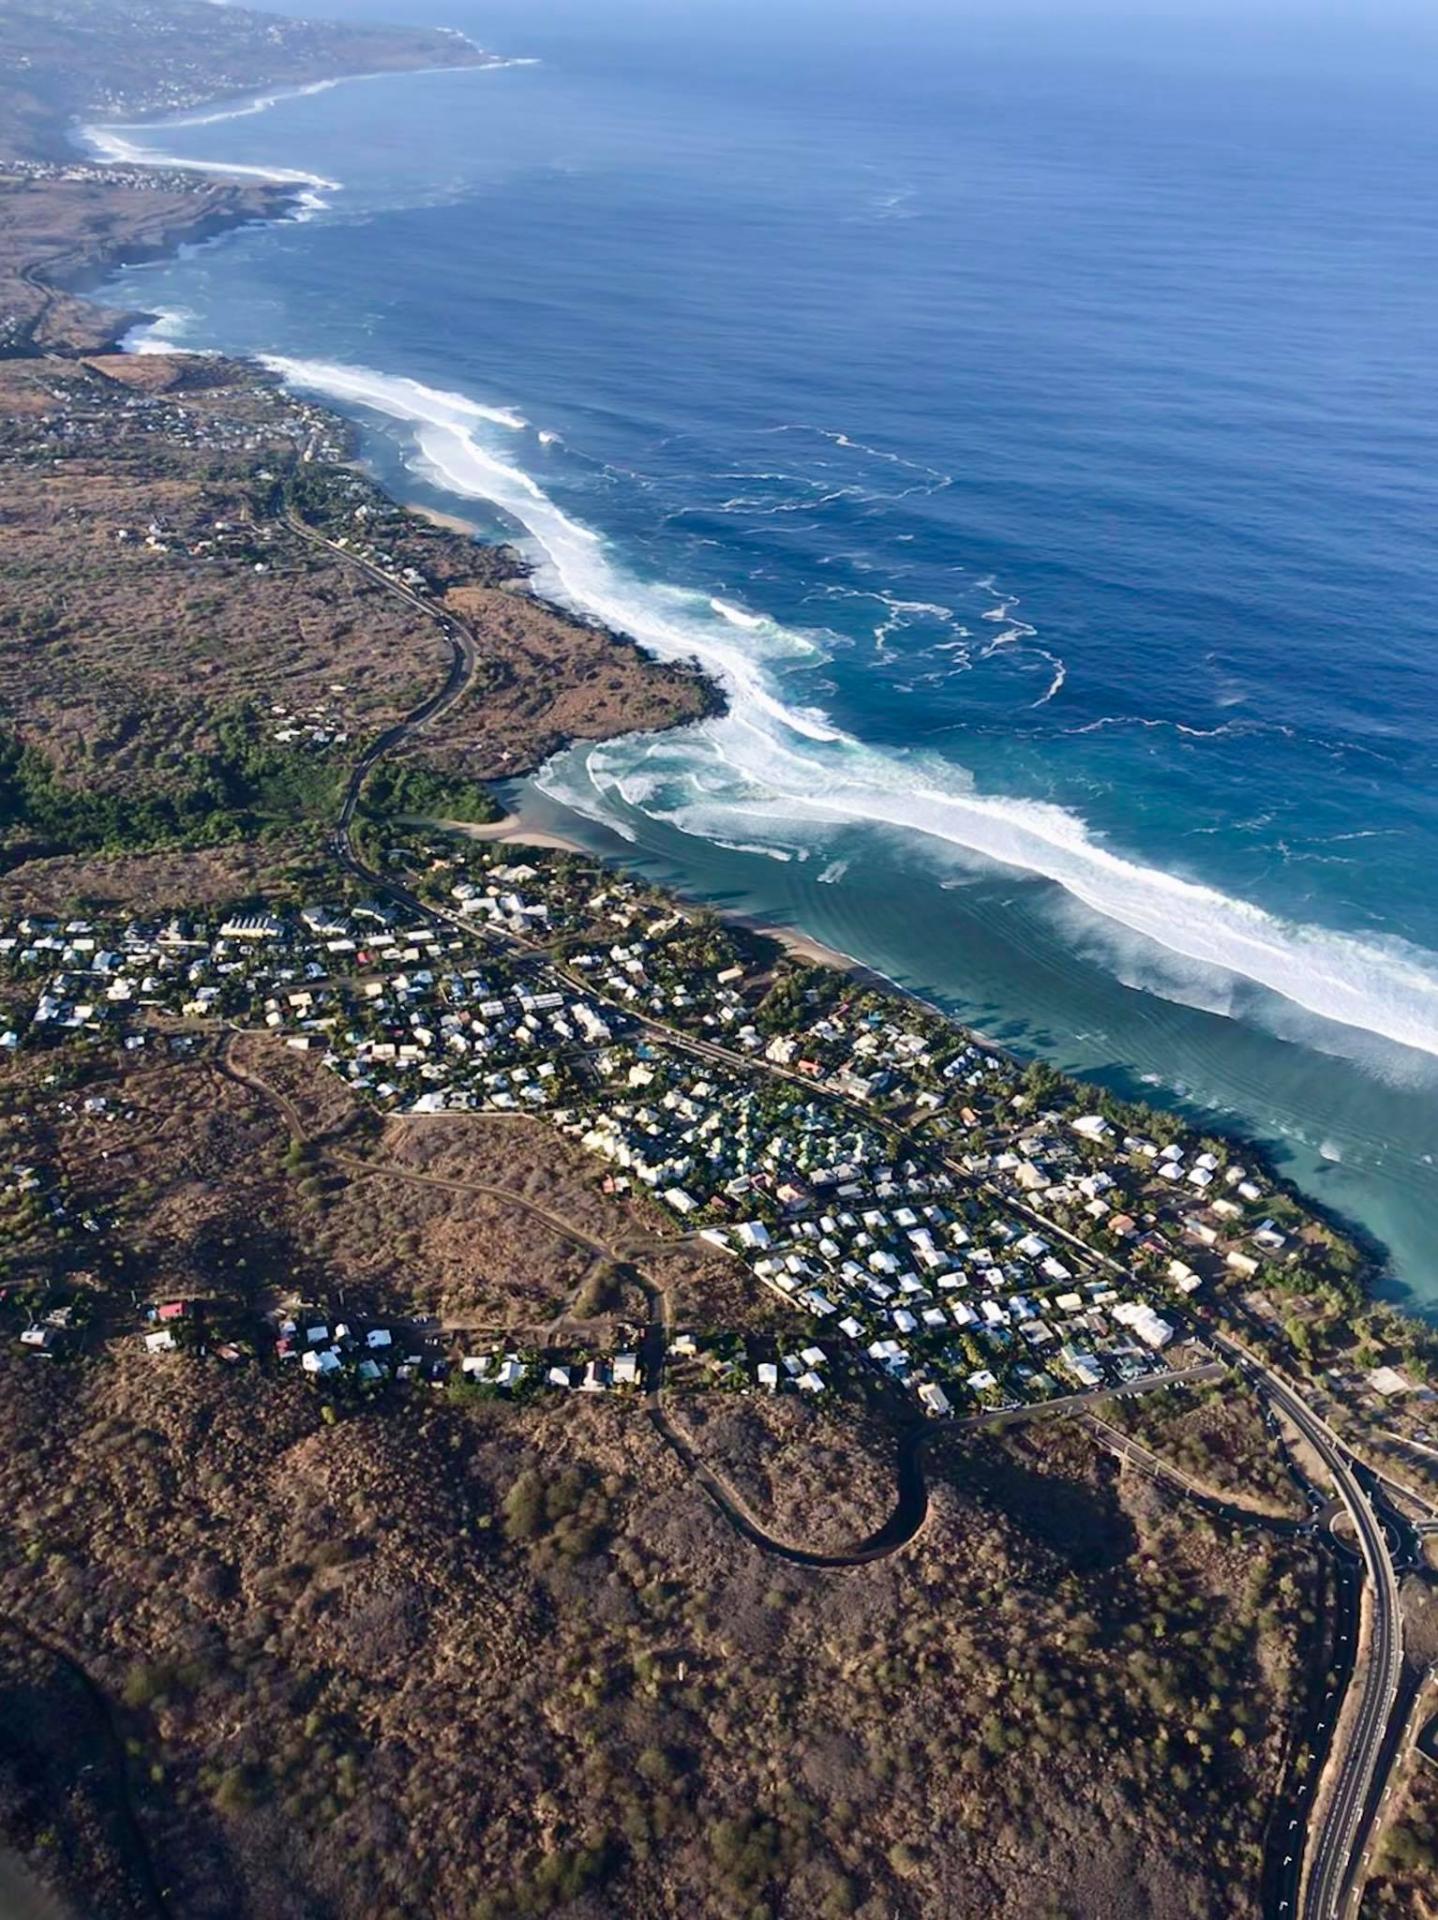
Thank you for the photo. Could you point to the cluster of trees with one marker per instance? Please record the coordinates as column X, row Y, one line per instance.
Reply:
column 801, row 994
column 568, row 1515
column 560, row 1877
column 1214, row 1432
column 238, row 789
column 421, row 791
column 1412, row 1845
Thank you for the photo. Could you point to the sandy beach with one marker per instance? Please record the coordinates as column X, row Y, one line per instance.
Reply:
column 451, row 522
column 514, row 831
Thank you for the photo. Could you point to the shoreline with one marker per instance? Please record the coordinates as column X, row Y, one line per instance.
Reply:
column 1051, row 843
column 97, row 134
column 282, row 195
column 515, row 831
column 450, row 522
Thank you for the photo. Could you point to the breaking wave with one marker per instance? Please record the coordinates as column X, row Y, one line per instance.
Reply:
column 777, row 773
column 161, row 333
column 113, row 144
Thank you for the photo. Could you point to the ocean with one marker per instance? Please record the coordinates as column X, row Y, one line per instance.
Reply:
column 1030, row 418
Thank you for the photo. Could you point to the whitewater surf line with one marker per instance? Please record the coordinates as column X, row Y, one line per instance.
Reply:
column 766, row 762
column 110, row 144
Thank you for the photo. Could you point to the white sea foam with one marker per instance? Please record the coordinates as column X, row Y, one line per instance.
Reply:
column 113, row 144
column 795, row 772
column 261, row 103
column 783, row 854
column 1060, row 674
column 161, row 333
column 736, row 616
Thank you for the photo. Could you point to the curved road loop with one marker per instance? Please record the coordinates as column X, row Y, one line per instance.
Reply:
column 912, row 1506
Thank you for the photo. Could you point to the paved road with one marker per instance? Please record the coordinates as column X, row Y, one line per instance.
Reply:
column 1334, row 1865
column 1174, row 1477
column 1333, row 1843
column 463, row 659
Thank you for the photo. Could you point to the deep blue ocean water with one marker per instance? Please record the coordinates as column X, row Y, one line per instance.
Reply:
column 1035, row 425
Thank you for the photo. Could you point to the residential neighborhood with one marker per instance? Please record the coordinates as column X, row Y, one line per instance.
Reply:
column 902, row 1187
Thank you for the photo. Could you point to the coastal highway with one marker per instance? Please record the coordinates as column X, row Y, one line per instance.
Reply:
column 1334, row 1840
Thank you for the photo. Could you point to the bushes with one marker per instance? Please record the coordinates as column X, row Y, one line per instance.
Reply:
column 1411, row 1847
column 559, row 1878
column 746, row 1853
column 232, row 792
column 145, row 1684
column 235, row 1792
column 567, row 1515
column 411, row 789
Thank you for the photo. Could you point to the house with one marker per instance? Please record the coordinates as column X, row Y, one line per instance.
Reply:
column 1081, row 1367
column 1388, row 1382
column 1141, row 1319
column 252, row 926
column 935, row 1400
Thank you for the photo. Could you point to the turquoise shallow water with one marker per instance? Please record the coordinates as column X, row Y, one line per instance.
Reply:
column 1035, row 428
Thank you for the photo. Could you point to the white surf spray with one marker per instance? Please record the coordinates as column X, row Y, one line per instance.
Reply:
column 116, row 144
column 736, row 616
column 787, row 770
column 163, row 332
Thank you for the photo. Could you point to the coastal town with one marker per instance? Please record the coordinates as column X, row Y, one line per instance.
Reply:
column 912, row 1196
column 524, row 1395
